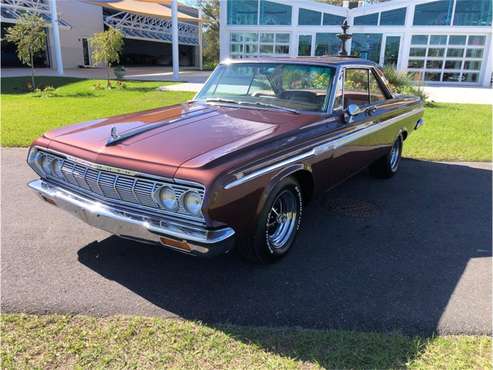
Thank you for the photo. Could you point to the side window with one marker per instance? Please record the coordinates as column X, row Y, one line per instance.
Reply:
column 376, row 92
column 356, row 89
column 338, row 100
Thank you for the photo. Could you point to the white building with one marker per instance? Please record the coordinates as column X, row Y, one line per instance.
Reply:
column 146, row 28
column 438, row 41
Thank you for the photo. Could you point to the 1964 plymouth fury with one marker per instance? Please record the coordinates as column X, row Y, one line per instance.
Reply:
column 235, row 166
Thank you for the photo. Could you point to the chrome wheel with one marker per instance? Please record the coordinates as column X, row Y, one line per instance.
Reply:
column 282, row 219
column 395, row 155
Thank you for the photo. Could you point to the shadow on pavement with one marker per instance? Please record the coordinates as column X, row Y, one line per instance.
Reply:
column 373, row 255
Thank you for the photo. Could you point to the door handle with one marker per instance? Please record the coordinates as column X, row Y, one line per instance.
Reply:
column 371, row 110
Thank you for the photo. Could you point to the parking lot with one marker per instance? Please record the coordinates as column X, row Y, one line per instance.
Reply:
column 411, row 254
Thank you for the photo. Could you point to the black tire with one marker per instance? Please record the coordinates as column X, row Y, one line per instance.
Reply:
column 388, row 165
column 260, row 247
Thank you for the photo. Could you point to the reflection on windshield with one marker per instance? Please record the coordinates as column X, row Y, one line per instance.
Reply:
column 293, row 87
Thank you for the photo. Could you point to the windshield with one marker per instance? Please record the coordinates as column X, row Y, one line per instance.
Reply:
column 293, row 87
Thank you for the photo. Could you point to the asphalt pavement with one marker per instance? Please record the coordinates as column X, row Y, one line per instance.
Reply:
column 410, row 254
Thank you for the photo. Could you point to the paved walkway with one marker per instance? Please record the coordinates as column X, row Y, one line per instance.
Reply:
column 133, row 73
column 411, row 254
column 464, row 95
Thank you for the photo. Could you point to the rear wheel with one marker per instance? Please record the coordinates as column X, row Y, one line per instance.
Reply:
column 277, row 225
column 388, row 165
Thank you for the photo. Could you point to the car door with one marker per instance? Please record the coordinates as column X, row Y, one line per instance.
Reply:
column 354, row 150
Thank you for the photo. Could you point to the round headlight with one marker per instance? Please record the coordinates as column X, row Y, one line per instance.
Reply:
column 46, row 164
column 167, row 197
column 56, row 167
column 192, row 202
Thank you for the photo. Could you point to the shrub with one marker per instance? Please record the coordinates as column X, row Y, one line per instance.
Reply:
column 402, row 83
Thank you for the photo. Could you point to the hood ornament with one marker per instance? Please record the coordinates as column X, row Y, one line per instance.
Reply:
column 114, row 136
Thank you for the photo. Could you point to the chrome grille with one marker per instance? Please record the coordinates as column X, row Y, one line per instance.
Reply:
column 122, row 188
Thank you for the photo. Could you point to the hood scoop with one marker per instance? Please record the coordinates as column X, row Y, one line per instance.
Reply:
column 187, row 113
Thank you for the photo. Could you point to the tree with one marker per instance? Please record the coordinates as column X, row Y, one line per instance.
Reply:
column 29, row 37
column 210, row 17
column 106, row 48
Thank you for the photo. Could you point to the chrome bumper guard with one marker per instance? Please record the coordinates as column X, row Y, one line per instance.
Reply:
column 185, row 238
column 420, row 123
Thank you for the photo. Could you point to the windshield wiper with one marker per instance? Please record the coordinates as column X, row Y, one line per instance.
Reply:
column 258, row 104
column 221, row 100
column 267, row 105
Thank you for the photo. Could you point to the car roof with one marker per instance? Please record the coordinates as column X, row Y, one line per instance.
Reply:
column 333, row 61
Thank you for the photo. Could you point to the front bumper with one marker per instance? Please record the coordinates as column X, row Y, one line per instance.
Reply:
column 130, row 224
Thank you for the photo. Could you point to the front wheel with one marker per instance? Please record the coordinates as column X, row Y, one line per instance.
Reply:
column 388, row 165
column 277, row 225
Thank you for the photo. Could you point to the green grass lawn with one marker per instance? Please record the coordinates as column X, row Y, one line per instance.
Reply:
column 25, row 117
column 58, row 341
column 452, row 131
column 455, row 132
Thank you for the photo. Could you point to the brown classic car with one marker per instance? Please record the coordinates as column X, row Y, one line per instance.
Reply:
column 235, row 166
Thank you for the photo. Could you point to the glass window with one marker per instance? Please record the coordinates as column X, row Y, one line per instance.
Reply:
column 295, row 86
column 434, row 64
column 282, row 49
column 474, row 53
column 309, row 17
column 438, row 40
column 391, row 52
column 367, row 46
column 266, row 37
column 274, row 13
column 472, row 13
column 417, row 52
column 332, row 20
column 433, row 76
column 453, row 64
column 470, row 77
column 282, row 37
column 396, row 17
column 472, row 65
column 436, row 52
column 437, row 13
column 455, row 53
column 326, row 44
column 457, row 40
column 338, row 100
column 236, row 48
column 476, row 40
column 242, row 11
column 305, row 45
column 451, row 77
column 266, row 49
column 376, row 92
column 356, row 87
column 366, row 20
column 419, row 40
column 416, row 63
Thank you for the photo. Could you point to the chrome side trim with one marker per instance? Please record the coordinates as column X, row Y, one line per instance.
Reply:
column 128, row 224
column 322, row 148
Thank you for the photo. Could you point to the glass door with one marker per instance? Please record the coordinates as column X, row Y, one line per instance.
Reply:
column 391, row 46
column 305, row 45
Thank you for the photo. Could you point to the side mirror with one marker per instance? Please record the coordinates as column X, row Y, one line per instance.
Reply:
column 351, row 111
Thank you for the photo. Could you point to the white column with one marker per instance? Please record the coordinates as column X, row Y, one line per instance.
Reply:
column 55, row 32
column 174, row 40
column 224, row 36
column 488, row 62
column 201, row 56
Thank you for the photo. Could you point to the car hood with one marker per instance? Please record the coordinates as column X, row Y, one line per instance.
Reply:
column 189, row 135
